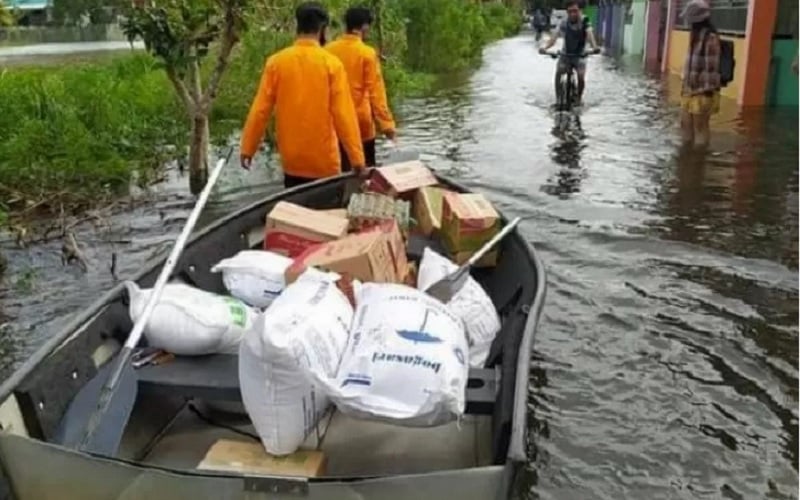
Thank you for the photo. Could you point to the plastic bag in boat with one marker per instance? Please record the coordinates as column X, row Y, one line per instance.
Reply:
column 190, row 322
column 254, row 276
column 471, row 304
column 405, row 362
column 306, row 328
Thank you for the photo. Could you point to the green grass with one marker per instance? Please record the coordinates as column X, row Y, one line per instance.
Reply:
column 82, row 130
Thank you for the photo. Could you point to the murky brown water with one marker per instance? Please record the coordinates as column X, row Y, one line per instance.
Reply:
column 666, row 360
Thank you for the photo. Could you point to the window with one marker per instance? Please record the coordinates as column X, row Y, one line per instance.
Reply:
column 786, row 20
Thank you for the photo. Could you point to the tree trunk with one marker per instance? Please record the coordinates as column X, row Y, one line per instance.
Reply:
column 198, row 153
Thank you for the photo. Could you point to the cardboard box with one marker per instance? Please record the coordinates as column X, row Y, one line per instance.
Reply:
column 428, row 203
column 248, row 457
column 401, row 179
column 376, row 255
column 336, row 212
column 488, row 260
column 468, row 221
column 291, row 229
column 411, row 275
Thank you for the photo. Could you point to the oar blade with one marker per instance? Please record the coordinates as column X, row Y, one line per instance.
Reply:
column 108, row 434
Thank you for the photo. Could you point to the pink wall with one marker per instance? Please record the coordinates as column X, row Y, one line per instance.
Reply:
column 652, row 22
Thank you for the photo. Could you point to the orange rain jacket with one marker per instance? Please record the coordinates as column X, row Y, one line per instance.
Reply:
column 366, row 83
column 307, row 87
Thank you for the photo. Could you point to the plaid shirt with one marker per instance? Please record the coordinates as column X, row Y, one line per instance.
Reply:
column 701, row 70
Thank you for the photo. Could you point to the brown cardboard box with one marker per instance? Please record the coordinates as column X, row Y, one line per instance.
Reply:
column 336, row 212
column 248, row 457
column 291, row 229
column 411, row 275
column 428, row 209
column 401, row 179
column 376, row 255
column 468, row 221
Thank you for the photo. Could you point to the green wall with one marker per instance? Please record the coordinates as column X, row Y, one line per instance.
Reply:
column 590, row 11
column 633, row 40
column 783, row 82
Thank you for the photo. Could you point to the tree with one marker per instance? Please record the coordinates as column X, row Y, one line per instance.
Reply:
column 181, row 33
column 6, row 16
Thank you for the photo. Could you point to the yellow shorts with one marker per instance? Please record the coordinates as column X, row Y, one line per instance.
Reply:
column 700, row 104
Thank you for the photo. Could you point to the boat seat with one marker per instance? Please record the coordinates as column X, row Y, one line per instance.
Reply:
column 216, row 378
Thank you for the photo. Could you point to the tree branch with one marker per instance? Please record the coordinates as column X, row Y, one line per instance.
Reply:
column 229, row 40
column 197, row 85
column 181, row 89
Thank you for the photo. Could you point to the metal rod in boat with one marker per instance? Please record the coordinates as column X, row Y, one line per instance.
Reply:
column 124, row 357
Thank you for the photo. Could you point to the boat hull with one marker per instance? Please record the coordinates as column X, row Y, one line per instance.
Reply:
column 33, row 466
column 42, row 471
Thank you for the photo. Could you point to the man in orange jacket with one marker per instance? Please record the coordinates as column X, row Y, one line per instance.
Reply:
column 307, row 87
column 366, row 81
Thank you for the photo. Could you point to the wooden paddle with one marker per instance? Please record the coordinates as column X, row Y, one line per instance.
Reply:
column 117, row 397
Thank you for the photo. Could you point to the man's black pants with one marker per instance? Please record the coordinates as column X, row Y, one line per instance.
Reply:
column 369, row 155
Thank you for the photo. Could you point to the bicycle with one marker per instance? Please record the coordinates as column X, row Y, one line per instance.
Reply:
column 566, row 98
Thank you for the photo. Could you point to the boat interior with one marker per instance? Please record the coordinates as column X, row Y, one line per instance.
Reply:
column 186, row 405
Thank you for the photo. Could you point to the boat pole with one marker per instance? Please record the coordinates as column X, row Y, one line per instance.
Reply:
column 123, row 367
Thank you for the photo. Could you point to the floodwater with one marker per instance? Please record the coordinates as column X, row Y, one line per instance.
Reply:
column 59, row 52
column 666, row 360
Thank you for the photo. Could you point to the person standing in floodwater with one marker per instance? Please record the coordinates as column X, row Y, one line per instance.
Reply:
column 701, row 75
column 367, row 87
column 308, row 89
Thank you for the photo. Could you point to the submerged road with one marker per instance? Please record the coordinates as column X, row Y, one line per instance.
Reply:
column 666, row 360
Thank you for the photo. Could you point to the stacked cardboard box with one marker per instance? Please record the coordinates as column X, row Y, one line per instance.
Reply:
column 468, row 221
column 402, row 180
column 376, row 255
column 367, row 240
column 291, row 229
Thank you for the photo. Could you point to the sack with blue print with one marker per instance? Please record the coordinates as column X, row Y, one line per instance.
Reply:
column 405, row 362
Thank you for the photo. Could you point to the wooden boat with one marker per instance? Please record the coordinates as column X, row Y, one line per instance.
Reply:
column 186, row 405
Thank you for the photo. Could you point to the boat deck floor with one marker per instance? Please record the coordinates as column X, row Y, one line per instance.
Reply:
column 352, row 447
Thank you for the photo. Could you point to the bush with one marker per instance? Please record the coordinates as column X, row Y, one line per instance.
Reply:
column 449, row 35
column 77, row 129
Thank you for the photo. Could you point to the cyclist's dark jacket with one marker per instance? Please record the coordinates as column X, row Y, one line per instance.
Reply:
column 574, row 35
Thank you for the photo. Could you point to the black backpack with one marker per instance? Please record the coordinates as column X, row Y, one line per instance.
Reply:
column 727, row 62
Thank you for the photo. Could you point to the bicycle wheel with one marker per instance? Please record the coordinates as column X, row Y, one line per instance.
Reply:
column 567, row 91
column 562, row 94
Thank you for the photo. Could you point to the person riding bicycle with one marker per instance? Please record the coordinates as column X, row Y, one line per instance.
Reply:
column 576, row 31
column 541, row 22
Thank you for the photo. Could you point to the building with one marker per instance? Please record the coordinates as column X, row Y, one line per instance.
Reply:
column 764, row 34
column 31, row 12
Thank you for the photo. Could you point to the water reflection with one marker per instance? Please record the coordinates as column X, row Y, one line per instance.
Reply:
column 566, row 153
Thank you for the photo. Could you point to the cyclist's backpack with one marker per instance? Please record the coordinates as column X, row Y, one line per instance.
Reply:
column 727, row 62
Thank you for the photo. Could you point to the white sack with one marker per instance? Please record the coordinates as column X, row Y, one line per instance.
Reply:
column 305, row 328
column 190, row 322
column 405, row 362
column 254, row 276
column 471, row 304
